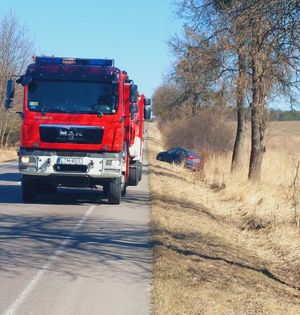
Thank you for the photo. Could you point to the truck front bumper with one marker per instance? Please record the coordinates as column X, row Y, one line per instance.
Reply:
column 59, row 163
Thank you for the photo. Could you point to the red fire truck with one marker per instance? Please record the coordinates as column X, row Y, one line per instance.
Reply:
column 74, row 130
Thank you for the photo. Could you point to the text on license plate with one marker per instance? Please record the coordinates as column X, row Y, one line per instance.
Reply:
column 69, row 161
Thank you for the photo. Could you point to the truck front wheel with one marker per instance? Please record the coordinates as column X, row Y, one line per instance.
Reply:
column 114, row 191
column 29, row 189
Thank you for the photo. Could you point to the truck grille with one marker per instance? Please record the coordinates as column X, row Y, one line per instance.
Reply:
column 70, row 168
column 71, row 134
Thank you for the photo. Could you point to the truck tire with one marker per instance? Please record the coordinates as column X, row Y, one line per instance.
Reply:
column 123, row 186
column 29, row 189
column 114, row 191
column 124, row 190
column 133, row 178
column 140, row 167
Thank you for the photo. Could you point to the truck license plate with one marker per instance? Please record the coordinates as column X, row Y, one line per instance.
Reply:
column 69, row 161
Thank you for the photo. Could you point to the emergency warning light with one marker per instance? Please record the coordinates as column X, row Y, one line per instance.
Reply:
column 73, row 61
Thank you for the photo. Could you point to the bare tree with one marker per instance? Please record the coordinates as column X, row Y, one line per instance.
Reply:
column 165, row 101
column 15, row 50
column 224, row 59
column 274, row 40
column 260, row 41
column 241, row 91
column 195, row 56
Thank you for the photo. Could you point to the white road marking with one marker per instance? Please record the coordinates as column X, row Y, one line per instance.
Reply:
column 22, row 297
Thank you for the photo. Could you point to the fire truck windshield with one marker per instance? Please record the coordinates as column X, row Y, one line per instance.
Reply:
column 76, row 97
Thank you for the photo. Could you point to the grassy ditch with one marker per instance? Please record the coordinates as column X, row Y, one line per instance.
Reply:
column 222, row 246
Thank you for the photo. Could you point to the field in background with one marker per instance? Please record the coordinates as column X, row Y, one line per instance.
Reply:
column 285, row 128
column 8, row 155
column 284, row 137
column 222, row 245
column 276, row 198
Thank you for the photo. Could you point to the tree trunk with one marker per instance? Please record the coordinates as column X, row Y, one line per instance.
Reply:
column 8, row 136
column 258, row 124
column 4, row 132
column 237, row 155
column 194, row 103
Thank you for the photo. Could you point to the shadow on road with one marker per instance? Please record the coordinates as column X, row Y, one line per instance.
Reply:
column 96, row 249
column 11, row 193
column 70, row 196
column 64, row 196
column 10, row 177
column 100, row 247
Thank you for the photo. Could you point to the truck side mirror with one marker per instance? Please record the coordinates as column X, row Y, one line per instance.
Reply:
column 10, row 89
column 147, row 113
column 133, row 108
column 24, row 80
column 147, row 101
column 10, row 92
column 133, row 93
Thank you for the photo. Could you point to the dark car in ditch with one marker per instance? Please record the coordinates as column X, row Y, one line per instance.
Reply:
column 190, row 159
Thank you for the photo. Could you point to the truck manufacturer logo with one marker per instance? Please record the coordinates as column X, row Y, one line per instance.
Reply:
column 63, row 133
column 70, row 134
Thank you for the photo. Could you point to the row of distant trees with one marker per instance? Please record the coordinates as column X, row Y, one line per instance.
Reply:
column 16, row 48
column 285, row 115
column 240, row 53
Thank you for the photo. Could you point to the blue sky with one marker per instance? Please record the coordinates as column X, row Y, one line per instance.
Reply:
column 133, row 32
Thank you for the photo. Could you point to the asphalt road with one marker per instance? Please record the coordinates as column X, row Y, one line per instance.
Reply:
column 72, row 253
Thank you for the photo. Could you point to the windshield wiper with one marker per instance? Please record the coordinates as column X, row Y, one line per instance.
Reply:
column 54, row 110
column 97, row 109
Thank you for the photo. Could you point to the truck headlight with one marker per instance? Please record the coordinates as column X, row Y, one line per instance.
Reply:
column 27, row 161
column 24, row 159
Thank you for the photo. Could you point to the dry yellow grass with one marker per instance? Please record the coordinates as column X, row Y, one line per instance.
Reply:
column 273, row 199
column 8, row 155
column 223, row 246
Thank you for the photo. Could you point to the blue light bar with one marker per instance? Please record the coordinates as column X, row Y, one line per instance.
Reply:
column 47, row 60
column 100, row 62
column 74, row 61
